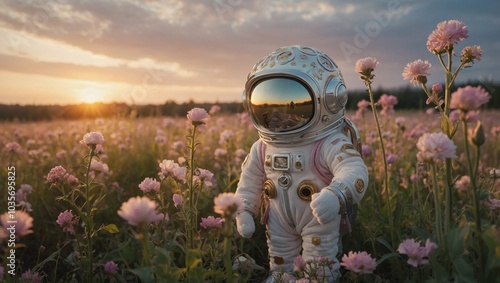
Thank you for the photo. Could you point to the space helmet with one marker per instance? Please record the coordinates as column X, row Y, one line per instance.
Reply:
column 295, row 95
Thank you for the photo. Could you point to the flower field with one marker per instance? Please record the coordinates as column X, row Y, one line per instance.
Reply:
column 138, row 157
column 153, row 199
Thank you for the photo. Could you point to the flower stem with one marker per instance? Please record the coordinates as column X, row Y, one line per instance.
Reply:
column 228, row 234
column 475, row 197
column 88, row 218
column 445, row 122
column 437, row 204
column 146, row 252
column 386, row 178
column 192, row 209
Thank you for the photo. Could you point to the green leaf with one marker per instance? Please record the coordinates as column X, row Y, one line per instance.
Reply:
column 193, row 258
column 385, row 243
column 145, row 274
column 387, row 256
column 162, row 256
column 420, row 233
column 464, row 271
column 440, row 273
column 455, row 241
column 111, row 228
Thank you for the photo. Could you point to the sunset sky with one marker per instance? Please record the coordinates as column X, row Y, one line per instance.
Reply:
column 138, row 51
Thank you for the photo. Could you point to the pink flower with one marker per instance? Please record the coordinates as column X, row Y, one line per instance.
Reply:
column 24, row 223
column 205, row 177
column 57, row 175
column 211, row 222
column 365, row 67
column 447, row 34
column 228, row 204
column 299, row 264
column 197, row 116
column 214, row 109
column 219, row 152
column 98, row 167
column 391, row 158
column 469, row 98
column 417, row 255
column 92, row 139
column 177, row 200
column 434, row 147
column 454, row 115
column 149, row 184
column 492, row 203
column 140, row 211
column 239, row 155
column 363, row 104
column 462, row 184
column 178, row 145
column 22, row 196
column 66, row 221
column 172, row 169
column 359, row 262
column 471, row 53
column 225, row 136
column 495, row 131
column 30, row 276
column 71, row 179
column 387, row 103
column 417, row 71
column 366, row 150
column 437, row 88
column 472, row 116
column 111, row 268
column 13, row 147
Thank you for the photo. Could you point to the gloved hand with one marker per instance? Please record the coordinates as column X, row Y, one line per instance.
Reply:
column 325, row 206
column 245, row 224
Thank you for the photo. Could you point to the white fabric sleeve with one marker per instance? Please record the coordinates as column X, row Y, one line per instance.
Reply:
column 350, row 174
column 252, row 179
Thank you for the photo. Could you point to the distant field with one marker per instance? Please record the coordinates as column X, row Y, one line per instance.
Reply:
column 132, row 151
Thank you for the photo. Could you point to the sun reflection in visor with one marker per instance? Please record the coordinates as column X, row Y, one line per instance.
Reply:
column 281, row 104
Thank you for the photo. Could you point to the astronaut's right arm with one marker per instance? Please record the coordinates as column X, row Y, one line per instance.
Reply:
column 250, row 188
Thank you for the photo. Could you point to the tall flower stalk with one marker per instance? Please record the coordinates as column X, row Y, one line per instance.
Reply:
column 197, row 117
column 434, row 148
column 59, row 178
column 228, row 205
column 365, row 67
column 467, row 99
column 441, row 42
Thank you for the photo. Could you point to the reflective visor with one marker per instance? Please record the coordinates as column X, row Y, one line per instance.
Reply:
column 281, row 104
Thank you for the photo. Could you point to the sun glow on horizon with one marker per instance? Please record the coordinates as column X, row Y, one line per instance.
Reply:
column 91, row 95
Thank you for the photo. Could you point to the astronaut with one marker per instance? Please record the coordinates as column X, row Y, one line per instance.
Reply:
column 305, row 172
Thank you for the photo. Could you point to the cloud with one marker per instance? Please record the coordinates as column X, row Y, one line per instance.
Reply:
column 216, row 42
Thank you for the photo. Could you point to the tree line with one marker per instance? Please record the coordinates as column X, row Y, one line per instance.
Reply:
column 409, row 98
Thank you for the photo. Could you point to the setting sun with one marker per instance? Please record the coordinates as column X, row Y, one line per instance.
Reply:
column 91, row 95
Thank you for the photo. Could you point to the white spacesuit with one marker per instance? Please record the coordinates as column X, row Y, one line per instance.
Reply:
column 306, row 171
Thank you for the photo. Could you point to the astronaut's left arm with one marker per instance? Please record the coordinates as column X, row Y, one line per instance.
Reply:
column 349, row 182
